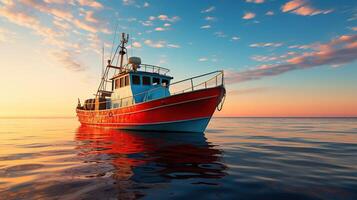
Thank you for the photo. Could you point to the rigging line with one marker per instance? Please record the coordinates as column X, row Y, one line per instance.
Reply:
column 115, row 33
column 116, row 50
column 103, row 60
column 117, row 59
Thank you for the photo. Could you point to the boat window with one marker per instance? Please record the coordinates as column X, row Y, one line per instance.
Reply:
column 126, row 80
column 117, row 83
column 122, row 82
column 155, row 81
column 136, row 79
column 146, row 80
column 165, row 82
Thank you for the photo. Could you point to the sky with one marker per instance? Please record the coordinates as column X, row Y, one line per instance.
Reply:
column 281, row 58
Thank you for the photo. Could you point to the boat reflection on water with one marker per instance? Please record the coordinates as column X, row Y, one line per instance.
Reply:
column 140, row 161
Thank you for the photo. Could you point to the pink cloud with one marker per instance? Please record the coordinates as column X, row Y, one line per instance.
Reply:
column 66, row 58
column 85, row 26
column 45, row 8
column 90, row 17
column 248, row 15
column 291, row 5
column 20, row 14
column 255, row 1
column 339, row 51
column 302, row 7
column 90, row 3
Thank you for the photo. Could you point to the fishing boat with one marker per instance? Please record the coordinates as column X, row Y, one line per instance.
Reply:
column 143, row 97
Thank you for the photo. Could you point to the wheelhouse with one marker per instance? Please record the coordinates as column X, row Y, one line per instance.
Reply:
column 134, row 87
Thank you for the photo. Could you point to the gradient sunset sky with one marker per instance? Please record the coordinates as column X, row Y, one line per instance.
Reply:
column 281, row 57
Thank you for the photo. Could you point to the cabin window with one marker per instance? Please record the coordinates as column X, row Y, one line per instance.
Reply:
column 146, row 80
column 117, row 83
column 122, row 82
column 136, row 79
column 126, row 80
column 155, row 81
column 165, row 82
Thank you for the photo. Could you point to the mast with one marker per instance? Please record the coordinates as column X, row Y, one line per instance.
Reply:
column 102, row 92
column 122, row 52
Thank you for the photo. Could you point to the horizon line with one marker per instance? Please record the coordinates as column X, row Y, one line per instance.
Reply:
column 68, row 117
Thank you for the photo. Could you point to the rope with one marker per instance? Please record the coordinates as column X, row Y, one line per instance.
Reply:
column 220, row 104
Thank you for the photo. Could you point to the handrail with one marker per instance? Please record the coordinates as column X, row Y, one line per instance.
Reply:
column 143, row 68
column 159, row 69
column 191, row 88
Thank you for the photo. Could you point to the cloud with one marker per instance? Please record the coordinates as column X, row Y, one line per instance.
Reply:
column 90, row 18
column 55, row 1
column 292, row 5
column 300, row 46
column 269, row 44
column 209, row 9
column 255, row 1
column 66, row 58
column 271, row 58
column 269, row 13
column 235, row 38
column 136, row 45
column 209, row 18
column 61, row 25
column 160, row 29
column 22, row 14
column 160, row 44
column 46, row 8
column 128, row 2
column 354, row 28
column 63, row 13
column 147, row 23
column 248, row 15
column 173, row 46
column 90, row 3
column 204, row 59
column 162, row 17
column 15, row 15
column 205, row 27
column 85, row 26
column 260, row 58
column 146, row 4
column 302, row 7
column 339, row 51
column 220, row 34
column 166, row 18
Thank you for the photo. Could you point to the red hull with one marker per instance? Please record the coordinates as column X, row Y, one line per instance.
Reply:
column 182, row 110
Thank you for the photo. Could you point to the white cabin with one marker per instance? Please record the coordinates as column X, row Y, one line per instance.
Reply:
column 133, row 87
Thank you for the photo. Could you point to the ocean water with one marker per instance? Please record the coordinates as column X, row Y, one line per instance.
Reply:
column 236, row 158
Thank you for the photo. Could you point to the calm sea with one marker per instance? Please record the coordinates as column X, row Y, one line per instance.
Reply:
column 236, row 158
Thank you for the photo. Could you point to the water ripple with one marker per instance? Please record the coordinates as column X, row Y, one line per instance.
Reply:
column 245, row 158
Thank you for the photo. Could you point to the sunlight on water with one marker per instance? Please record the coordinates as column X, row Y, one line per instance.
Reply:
column 249, row 158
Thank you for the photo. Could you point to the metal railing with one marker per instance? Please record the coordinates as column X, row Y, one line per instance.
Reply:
column 144, row 68
column 183, row 86
column 153, row 69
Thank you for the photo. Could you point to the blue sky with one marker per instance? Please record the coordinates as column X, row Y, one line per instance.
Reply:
column 265, row 46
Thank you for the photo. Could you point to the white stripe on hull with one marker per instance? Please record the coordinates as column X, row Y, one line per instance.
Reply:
column 192, row 125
